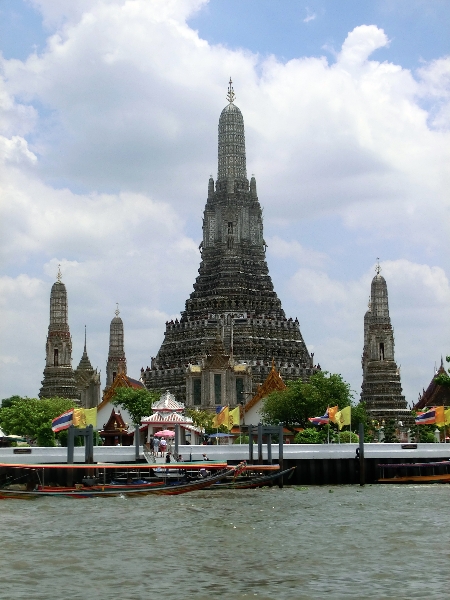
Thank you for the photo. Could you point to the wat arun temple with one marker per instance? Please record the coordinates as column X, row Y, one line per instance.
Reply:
column 233, row 336
column 233, row 325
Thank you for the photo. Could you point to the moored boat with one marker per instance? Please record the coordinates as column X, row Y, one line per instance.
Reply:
column 168, row 488
column 424, row 472
column 249, row 480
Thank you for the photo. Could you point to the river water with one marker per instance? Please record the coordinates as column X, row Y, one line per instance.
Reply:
column 297, row 543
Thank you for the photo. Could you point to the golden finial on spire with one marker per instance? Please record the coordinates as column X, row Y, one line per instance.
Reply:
column 231, row 95
column 378, row 267
column 59, row 274
column 117, row 311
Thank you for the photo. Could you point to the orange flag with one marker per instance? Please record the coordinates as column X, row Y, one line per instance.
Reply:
column 332, row 410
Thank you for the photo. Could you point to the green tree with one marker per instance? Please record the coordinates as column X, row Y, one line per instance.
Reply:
column 45, row 436
column 390, row 432
column 137, row 401
column 310, row 435
column 9, row 401
column 444, row 378
column 301, row 400
column 360, row 415
column 423, row 433
column 25, row 416
column 204, row 420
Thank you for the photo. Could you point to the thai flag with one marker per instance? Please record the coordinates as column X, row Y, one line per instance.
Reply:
column 324, row 420
column 64, row 421
column 427, row 418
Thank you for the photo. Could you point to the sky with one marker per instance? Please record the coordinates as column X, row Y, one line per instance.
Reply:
column 108, row 135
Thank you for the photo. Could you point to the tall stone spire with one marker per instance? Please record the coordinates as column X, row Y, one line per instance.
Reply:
column 88, row 380
column 233, row 291
column 231, row 154
column 59, row 379
column 381, row 387
column 117, row 363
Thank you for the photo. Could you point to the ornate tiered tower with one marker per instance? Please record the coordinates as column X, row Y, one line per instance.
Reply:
column 59, row 379
column 233, row 292
column 88, row 380
column 117, row 363
column 381, row 387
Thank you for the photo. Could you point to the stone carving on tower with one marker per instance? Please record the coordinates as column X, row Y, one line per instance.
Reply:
column 381, row 388
column 59, row 378
column 233, row 292
column 117, row 363
column 88, row 380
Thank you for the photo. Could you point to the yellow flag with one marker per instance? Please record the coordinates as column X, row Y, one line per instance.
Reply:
column 222, row 417
column 332, row 410
column 234, row 417
column 91, row 416
column 440, row 416
column 79, row 419
column 344, row 417
column 447, row 416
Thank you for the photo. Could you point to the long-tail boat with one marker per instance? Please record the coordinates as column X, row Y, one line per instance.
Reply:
column 167, row 488
column 426, row 472
column 248, row 481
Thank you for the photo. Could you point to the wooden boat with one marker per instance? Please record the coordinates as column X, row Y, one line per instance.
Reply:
column 108, row 490
column 245, row 482
column 414, row 472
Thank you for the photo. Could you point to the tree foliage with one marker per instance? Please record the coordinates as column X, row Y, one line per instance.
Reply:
column 137, row 401
column 26, row 416
column 444, row 378
column 301, row 400
column 204, row 420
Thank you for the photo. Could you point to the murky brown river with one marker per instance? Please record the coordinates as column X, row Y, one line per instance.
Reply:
column 296, row 543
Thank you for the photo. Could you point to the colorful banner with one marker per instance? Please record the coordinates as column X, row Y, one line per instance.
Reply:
column 344, row 417
column 234, row 417
column 82, row 417
column 426, row 418
column 221, row 418
column 62, row 422
column 323, row 420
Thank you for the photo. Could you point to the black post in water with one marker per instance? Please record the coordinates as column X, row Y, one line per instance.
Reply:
column 70, row 453
column 70, row 444
column 136, row 441
column 362, row 462
column 177, row 440
column 280, row 454
column 250, row 444
column 269, row 449
column 89, row 445
column 260, row 442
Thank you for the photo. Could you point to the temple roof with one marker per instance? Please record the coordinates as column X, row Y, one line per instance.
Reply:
column 167, row 403
column 163, row 417
column 273, row 383
column 121, row 380
column 435, row 394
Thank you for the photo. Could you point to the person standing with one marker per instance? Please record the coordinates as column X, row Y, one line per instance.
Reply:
column 156, row 445
column 152, row 446
column 163, row 446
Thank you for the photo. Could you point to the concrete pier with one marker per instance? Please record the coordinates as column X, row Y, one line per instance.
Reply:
column 316, row 464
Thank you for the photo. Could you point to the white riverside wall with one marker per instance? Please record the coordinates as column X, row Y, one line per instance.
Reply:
column 234, row 452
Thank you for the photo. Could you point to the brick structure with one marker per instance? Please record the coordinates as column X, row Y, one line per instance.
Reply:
column 59, row 378
column 88, row 380
column 233, row 293
column 381, row 387
column 117, row 362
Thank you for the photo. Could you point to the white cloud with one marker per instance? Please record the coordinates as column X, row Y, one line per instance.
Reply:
column 109, row 136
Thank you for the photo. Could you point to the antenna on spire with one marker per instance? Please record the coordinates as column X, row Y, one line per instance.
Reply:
column 117, row 311
column 231, row 95
column 59, row 274
column 85, row 338
column 378, row 267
